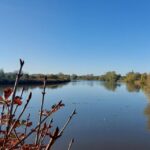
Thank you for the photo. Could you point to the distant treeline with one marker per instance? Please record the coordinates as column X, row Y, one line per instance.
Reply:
column 112, row 76
column 109, row 76
column 136, row 78
column 9, row 78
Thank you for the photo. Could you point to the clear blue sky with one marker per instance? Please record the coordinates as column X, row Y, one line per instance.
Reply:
column 75, row 36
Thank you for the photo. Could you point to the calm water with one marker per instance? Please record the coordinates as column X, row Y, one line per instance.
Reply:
column 110, row 117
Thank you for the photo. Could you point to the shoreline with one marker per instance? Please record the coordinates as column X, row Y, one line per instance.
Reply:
column 33, row 82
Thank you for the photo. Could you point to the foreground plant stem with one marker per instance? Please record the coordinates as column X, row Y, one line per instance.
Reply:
column 41, row 111
column 70, row 144
column 28, row 100
column 33, row 130
column 54, row 138
column 12, row 101
column 16, row 140
column 17, row 105
column 14, row 93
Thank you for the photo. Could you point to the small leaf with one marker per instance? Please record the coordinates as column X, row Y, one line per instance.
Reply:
column 28, row 124
column 7, row 92
column 17, row 100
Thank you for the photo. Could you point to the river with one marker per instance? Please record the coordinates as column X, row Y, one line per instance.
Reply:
column 109, row 117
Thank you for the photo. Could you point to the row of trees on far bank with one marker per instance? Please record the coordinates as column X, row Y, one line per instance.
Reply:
column 138, row 79
column 9, row 77
column 111, row 76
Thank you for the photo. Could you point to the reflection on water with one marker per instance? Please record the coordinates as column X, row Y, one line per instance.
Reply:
column 132, row 87
column 30, row 87
column 147, row 113
column 112, row 86
column 110, row 116
column 146, row 91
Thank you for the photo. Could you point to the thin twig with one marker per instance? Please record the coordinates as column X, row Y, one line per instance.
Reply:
column 16, row 135
column 12, row 101
column 32, row 131
column 28, row 100
column 2, row 113
column 20, row 98
column 66, row 124
column 14, row 92
column 53, row 139
column 41, row 139
column 28, row 118
column 43, row 97
column 70, row 144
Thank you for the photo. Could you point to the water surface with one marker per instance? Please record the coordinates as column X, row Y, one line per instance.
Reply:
column 110, row 117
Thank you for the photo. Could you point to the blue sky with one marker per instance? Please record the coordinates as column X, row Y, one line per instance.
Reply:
column 75, row 36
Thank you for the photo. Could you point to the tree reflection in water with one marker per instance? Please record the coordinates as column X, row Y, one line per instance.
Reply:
column 111, row 86
column 146, row 91
column 131, row 87
column 147, row 113
column 30, row 87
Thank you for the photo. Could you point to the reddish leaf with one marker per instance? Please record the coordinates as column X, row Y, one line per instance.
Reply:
column 17, row 100
column 17, row 124
column 1, row 98
column 1, row 141
column 7, row 92
column 28, row 124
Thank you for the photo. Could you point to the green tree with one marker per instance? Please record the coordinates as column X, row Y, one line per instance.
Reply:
column 131, row 77
column 74, row 77
column 143, row 78
column 110, row 77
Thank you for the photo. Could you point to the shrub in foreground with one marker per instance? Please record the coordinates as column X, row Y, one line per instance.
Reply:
column 11, row 138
